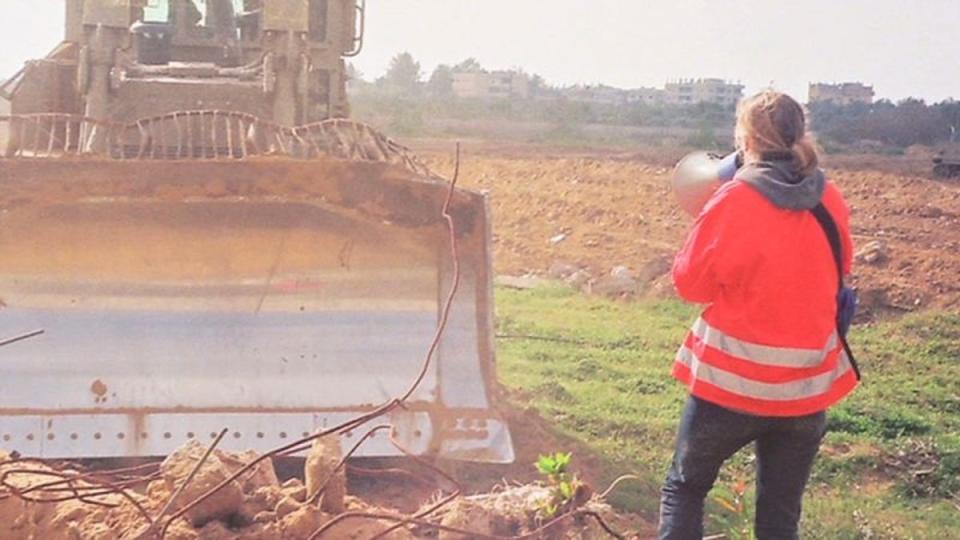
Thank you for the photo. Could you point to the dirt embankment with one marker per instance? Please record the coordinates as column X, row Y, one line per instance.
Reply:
column 603, row 211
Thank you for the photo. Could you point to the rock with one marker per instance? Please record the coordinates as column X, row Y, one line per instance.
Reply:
column 286, row 506
column 261, row 531
column 216, row 531
column 69, row 512
column 265, row 517
column 521, row 283
column 178, row 530
column 222, row 505
column 615, row 287
column 158, row 491
column 874, row 252
column 302, row 523
column 621, row 272
column 320, row 468
column 262, row 500
column 354, row 504
column 561, row 270
column 295, row 489
column 929, row 211
column 662, row 287
column 467, row 515
column 102, row 531
column 558, row 238
column 11, row 512
column 260, row 476
column 578, row 279
column 501, row 513
column 654, row 269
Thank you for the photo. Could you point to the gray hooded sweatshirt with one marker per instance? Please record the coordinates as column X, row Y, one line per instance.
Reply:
column 781, row 183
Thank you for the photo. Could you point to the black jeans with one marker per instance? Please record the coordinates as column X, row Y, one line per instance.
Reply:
column 708, row 436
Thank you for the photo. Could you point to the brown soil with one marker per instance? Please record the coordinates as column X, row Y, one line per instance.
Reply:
column 602, row 210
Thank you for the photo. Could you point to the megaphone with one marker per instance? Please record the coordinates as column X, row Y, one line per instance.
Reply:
column 699, row 175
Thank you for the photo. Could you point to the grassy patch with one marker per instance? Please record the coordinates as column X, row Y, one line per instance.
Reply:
column 599, row 372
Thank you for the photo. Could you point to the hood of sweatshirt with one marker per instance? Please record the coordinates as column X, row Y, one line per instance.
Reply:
column 785, row 187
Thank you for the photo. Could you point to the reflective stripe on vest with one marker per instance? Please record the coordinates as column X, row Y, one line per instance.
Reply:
column 763, row 354
column 807, row 388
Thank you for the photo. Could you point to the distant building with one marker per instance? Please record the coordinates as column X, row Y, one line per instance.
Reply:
column 691, row 91
column 609, row 95
column 491, row 84
column 841, row 94
column 599, row 94
column 647, row 96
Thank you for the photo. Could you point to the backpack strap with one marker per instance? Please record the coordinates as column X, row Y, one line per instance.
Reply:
column 830, row 228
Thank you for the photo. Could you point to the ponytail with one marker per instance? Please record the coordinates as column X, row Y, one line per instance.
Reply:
column 805, row 155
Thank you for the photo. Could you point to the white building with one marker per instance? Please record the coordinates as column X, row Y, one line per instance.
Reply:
column 491, row 84
column 842, row 93
column 692, row 91
column 647, row 96
column 599, row 94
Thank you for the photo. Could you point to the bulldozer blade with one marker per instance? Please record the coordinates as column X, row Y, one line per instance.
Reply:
column 149, row 303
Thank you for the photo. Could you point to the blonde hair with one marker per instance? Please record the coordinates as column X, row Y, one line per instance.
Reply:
column 774, row 123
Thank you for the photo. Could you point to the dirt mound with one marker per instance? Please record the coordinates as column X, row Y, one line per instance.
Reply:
column 44, row 501
column 603, row 212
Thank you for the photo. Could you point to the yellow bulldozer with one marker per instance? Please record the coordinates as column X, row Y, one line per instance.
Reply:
column 194, row 236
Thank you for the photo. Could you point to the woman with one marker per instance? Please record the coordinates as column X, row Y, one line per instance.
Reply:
column 764, row 361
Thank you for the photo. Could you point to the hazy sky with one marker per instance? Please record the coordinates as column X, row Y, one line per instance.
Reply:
column 903, row 47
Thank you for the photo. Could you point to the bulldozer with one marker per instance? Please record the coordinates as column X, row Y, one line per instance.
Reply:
column 946, row 164
column 195, row 236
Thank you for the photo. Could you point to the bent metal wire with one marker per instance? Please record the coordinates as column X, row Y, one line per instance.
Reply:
column 198, row 134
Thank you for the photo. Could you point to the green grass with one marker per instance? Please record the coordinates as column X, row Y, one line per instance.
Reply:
column 598, row 372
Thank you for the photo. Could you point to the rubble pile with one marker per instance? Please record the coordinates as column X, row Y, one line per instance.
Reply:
column 254, row 506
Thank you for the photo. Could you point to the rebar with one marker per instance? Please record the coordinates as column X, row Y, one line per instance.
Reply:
column 337, row 138
column 186, row 482
column 24, row 337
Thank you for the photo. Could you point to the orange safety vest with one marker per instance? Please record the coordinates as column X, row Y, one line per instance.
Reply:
column 767, row 343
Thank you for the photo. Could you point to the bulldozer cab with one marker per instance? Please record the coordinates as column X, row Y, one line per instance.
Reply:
column 214, row 17
column 168, row 270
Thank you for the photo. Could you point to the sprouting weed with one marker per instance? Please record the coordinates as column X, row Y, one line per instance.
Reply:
column 737, row 521
column 563, row 485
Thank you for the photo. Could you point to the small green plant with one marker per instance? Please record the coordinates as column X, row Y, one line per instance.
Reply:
column 737, row 522
column 564, row 486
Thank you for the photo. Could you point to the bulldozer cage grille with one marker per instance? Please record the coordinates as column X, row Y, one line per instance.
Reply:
column 198, row 135
column 158, row 254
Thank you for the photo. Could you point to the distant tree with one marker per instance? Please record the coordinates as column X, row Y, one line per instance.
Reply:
column 537, row 85
column 468, row 65
column 440, row 84
column 353, row 73
column 403, row 76
column 896, row 125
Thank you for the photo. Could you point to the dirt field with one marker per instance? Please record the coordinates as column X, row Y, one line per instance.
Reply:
column 602, row 210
